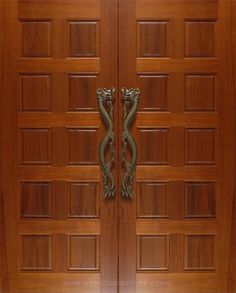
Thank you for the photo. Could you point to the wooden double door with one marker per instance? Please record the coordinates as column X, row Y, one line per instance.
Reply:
column 72, row 218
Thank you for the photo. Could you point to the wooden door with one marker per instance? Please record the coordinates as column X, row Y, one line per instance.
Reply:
column 175, row 233
column 61, row 235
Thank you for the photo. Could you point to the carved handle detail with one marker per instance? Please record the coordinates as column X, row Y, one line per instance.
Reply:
column 131, row 101
column 105, row 105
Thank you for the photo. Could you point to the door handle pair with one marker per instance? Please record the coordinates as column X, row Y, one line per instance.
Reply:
column 105, row 105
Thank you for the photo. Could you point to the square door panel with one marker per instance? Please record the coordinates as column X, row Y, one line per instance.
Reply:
column 153, row 253
column 83, row 253
column 152, row 199
column 35, row 91
column 35, row 146
column 154, row 90
column 35, row 199
column 36, row 252
column 200, row 199
column 82, row 146
column 153, row 146
column 153, row 38
column 83, row 38
column 83, row 201
column 200, row 93
column 200, row 146
column 82, row 92
column 199, row 39
column 36, row 39
column 200, row 252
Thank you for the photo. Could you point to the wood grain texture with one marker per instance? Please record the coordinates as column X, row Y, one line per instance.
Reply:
column 83, row 253
column 151, row 9
column 35, row 200
column 8, row 155
column 200, row 252
column 82, row 65
column 147, row 65
column 68, row 282
column 36, row 252
column 83, row 38
column 81, row 92
column 35, row 38
column 154, row 92
column 3, row 258
column 177, row 283
column 200, row 39
column 84, row 9
column 153, row 38
column 200, row 92
column 83, row 200
column 152, row 199
column 52, row 123
column 35, row 92
column 232, row 275
column 153, row 227
column 127, row 78
column 84, row 227
column 153, row 253
column 178, row 226
column 200, row 199
column 188, row 50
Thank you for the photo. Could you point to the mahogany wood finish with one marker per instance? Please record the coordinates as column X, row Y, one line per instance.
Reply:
column 61, row 235
column 3, row 257
column 232, row 276
column 179, row 53
column 58, row 233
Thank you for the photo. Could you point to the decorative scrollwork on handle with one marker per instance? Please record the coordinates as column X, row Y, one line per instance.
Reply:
column 131, row 101
column 105, row 105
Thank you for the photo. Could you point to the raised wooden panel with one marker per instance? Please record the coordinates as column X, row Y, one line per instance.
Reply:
column 82, row 92
column 83, row 38
column 200, row 39
column 83, row 146
column 35, row 92
column 152, row 199
column 36, row 252
column 36, row 38
column 153, row 253
column 35, row 146
column 200, row 252
column 153, row 38
column 153, row 146
column 154, row 92
column 83, row 199
column 200, row 199
column 35, row 199
column 200, row 146
column 83, row 253
column 200, row 92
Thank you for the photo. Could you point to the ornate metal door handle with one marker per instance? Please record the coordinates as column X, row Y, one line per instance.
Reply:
column 105, row 105
column 131, row 101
